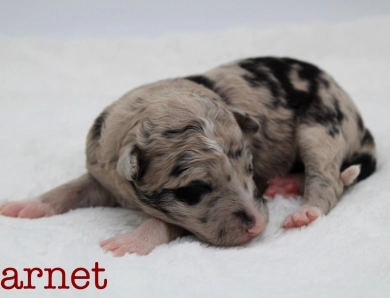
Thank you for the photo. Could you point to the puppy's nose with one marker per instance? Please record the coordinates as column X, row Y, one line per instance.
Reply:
column 256, row 229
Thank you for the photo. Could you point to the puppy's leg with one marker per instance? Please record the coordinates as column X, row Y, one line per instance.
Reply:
column 82, row 192
column 144, row 239
column 322, row 153
column 294, row 184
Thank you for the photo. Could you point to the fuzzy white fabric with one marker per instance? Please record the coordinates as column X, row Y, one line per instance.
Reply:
column 50, row 93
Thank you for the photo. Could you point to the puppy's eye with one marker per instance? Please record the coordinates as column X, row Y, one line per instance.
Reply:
column 192, row 194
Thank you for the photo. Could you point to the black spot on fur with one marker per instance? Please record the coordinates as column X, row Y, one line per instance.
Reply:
column 245, row 186
column 280, row 68
column 367, row 165
column 209, row 84
column 192, row 194
column 202, row 80
column 325, row 117
column 275, row 74
column 259, row 77
column 96, row 129
column 229, row 178
column 330, row 118
column 244, row 217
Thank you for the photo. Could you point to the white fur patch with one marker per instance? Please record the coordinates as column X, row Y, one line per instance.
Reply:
column 349, row 175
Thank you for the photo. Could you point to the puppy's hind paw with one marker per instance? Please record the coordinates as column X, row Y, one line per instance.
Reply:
column 26, row 209
column 304, row 216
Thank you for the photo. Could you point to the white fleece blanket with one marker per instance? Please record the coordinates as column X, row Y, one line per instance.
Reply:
column 50, row 93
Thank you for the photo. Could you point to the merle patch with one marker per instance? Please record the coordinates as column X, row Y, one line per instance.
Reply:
column 280, row 68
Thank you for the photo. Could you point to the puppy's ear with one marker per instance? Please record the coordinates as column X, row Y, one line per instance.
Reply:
column 128, row 162
column 248, row 124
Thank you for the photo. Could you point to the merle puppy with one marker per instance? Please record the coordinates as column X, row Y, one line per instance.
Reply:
column 196, row 154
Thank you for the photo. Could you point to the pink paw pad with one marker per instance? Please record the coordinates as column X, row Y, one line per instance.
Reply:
column 304, row 216
column 285, row 186
column 26, row 209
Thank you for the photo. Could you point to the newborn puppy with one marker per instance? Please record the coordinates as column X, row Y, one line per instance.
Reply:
column 196, row 154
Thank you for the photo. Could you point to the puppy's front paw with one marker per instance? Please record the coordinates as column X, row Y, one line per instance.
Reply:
column 27, row 209
column 127, row 243
column 143, row 239
column 302, row 217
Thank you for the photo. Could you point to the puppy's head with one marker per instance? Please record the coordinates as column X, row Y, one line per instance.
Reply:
column 190, row 164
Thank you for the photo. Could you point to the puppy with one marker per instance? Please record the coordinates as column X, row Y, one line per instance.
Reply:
column 196, row 154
